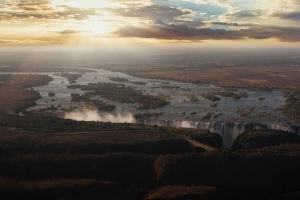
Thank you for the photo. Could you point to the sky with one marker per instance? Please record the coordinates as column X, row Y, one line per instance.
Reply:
column 195, row 23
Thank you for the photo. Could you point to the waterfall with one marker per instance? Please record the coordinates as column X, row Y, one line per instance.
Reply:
column 228, row 131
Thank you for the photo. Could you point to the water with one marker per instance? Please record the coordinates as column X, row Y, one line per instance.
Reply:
column 228, row 131
column 181, row 112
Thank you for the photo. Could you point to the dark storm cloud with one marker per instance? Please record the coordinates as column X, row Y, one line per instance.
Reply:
column 155, row 11
column 244, row 14
column 289, row 16
column 161, row 30
column 226, row 24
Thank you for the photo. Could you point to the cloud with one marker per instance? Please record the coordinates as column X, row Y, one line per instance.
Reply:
column 161, row 30
column 155, row 11
column 33, row 5
column 288, row 16
column 22, row 41
column 68, row 32
column 151, row 12
column 243, row 15
column 42, row 10
column 226, row 24
column 224, row 3
column 61, row 20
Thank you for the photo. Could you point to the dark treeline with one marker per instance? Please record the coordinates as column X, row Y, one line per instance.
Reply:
column 236, row 176
column 130, row 170
column 256, row 139
column 171, row 146
column 134, row 161
column 50, row 124
column 63, row 189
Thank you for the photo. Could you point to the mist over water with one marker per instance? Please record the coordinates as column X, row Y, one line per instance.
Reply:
column 181, row 112
column 94, row 115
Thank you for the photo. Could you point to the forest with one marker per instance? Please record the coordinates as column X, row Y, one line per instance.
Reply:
column 92, row 160
column 122, row 94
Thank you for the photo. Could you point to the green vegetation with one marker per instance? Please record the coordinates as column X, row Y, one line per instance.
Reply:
column 71, row 77
column 251, row 108
column 256, row 139
column 87, row 98
column 75, row 97
column 211, row 97
column 213, row 105
column 217, row 115
column 105, row 107
column 49, row 124
column 51, row 94
column 207, row 116
column 138, row 83
column 233, row 95
column 264, row 89
column 292, row 104
column 192, row 98
column 118, row 79
column 123, row 94
column 243, row 113
column 143, row 116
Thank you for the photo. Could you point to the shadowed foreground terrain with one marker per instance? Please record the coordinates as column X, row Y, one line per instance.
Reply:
column 142, row 162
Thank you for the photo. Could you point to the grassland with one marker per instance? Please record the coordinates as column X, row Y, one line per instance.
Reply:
column 14, row 95
column 40, row 69
column 257, row 139
column 262, row 76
